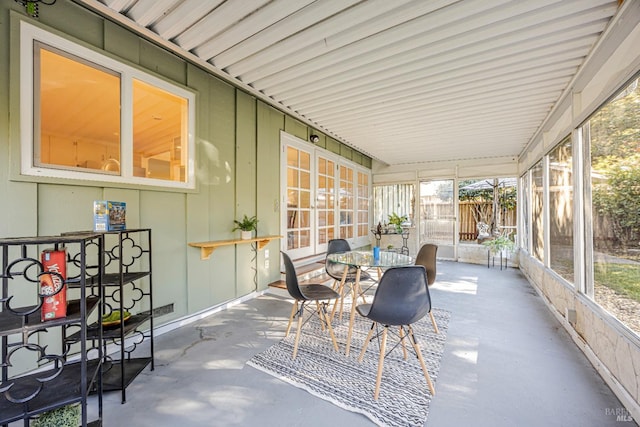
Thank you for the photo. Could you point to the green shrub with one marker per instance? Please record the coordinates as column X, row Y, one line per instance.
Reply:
column 66, row 416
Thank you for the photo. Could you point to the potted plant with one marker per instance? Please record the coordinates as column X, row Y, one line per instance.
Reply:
column 500, row 244
column 397, row 221
column 246, row 226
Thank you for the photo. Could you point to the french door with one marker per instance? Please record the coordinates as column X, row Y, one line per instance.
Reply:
column 299, row 218
column 326, row 197
column 437, row 216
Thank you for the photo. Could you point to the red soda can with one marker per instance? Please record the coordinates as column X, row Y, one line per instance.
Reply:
column 53, row 288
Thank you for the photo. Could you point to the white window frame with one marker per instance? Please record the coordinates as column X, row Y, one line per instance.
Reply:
column 30, row 33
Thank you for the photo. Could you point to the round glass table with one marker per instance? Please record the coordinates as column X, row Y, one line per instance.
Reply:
column 365, row 259
column 360, row 259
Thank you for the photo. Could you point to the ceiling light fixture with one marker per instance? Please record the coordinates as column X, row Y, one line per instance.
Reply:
column 314, row 138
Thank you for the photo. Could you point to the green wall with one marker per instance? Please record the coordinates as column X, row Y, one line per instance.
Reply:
column 237, row 169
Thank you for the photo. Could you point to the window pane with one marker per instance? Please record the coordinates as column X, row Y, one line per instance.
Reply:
column 525, row 210
column 305, row 160
column 561, row 210
column 322, row 166
column 305, row 199
column 159, row 133
column 292, row 157
column 614, row 136
column 324, row 199
column 346, row 202
column 477, row 199
column 437, row 212
column 293, row 240
column 305, row 179
column 387, row 199
column 363, row 205
column 79, row 112
column 537, row 230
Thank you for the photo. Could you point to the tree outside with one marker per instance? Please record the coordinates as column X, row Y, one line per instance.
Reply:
column 614, row 138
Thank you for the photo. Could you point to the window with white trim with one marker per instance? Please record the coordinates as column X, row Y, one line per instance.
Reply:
column 87, row 116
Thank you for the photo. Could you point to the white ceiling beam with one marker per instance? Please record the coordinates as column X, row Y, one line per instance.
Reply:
column 422, row 31
column 119, row 5
column 181, row 18
column 438, row 26
column 400, row 120
column 297, row 21
column 146, row 12
column 434, row 120
column 224, row 17
column 438, row 91
column 370, row 17
column 250, row 27
column 454, row 102
column 462, row 51
column 473, row 76
column 448, row 56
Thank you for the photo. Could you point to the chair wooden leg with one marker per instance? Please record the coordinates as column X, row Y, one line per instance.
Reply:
column 294, row 308
column 404, row 347
column 352, row 316
column 341, row 292
column 338, row 300
column 319, row 309
column 416, row 347
column 383, row 345
column 366, row 343
column 325, row 316
column 364, row 300
column 433, row 321
column 359, row 288
column 342, row 295
column 295, row 345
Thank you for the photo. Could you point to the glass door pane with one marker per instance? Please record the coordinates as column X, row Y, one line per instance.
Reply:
column 325, row 202
column 346, row 203
column 362, row 208
column 299, row 239
column 437, row 216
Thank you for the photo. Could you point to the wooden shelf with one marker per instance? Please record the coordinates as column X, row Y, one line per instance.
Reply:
column 207, row 248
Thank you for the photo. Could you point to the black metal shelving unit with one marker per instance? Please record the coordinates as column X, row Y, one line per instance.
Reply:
column 127, row 286
column 35, row 376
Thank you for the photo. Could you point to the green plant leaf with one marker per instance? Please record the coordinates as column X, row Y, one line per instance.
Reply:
column 246, row 224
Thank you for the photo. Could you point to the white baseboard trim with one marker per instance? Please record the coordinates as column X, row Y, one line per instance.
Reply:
column 183, row 321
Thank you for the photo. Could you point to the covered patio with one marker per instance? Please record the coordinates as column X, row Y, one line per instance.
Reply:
column 507, row 361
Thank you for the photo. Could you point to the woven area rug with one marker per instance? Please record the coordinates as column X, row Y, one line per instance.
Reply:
column 404, row 395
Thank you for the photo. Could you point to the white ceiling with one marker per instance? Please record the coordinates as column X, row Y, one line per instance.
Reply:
column 402, row 81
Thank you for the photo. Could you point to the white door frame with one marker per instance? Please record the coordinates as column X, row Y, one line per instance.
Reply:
column 287, row 140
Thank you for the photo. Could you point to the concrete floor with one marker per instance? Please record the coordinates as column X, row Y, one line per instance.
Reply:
column 507, row 362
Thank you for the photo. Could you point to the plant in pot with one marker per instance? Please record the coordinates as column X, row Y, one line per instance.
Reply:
column 500, row 244
column 397, row 221
column 246, row 226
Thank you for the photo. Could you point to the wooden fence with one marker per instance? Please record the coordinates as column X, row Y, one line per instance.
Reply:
column 469, row 226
